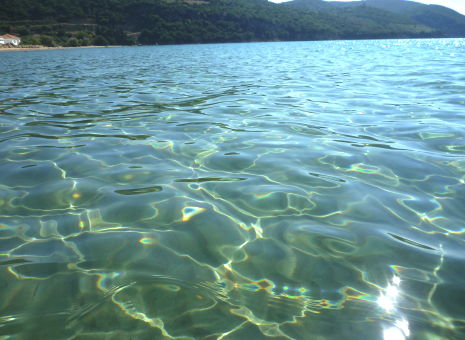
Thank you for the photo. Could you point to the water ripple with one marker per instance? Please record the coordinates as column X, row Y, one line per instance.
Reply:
column 255, row 191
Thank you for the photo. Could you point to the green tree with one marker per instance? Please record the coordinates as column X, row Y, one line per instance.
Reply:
column 100, row 41
column 47, row 40
column 73, row 42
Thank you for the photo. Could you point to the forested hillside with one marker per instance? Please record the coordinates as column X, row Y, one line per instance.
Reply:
column 442, row 19
column 125, row 22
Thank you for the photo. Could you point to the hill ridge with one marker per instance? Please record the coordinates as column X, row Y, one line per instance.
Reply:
column 126, row 22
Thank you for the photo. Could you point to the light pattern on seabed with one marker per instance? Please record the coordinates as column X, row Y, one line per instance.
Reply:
column 214, row 198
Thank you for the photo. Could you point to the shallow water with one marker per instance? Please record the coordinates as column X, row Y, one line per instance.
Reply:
column 309, row 190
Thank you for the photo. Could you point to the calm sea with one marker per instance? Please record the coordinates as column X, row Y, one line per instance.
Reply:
column 306, row 190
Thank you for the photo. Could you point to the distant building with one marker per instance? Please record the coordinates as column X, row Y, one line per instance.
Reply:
column 8, row 39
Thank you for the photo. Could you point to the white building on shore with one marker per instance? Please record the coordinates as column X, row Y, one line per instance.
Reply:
column 9, row 39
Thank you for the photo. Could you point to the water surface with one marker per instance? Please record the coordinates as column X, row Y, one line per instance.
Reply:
column 306, row 190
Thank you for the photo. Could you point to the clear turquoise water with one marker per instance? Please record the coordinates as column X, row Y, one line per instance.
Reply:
column 310, row 190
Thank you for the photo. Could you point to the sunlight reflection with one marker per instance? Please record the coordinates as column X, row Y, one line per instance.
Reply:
column 388, row 301
column 189, row 212
column 393, row 333
column 399, row 331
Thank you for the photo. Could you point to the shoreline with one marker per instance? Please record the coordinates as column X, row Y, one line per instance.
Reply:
column 44, row 48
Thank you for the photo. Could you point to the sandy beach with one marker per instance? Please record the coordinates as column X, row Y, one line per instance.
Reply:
column 43, row 48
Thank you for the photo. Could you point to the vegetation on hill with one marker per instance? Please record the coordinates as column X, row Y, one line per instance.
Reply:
column 439, row 18
column 444, row 19
column 125, row 22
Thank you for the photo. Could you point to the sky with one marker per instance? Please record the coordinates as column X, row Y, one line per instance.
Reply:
column 457, row 5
